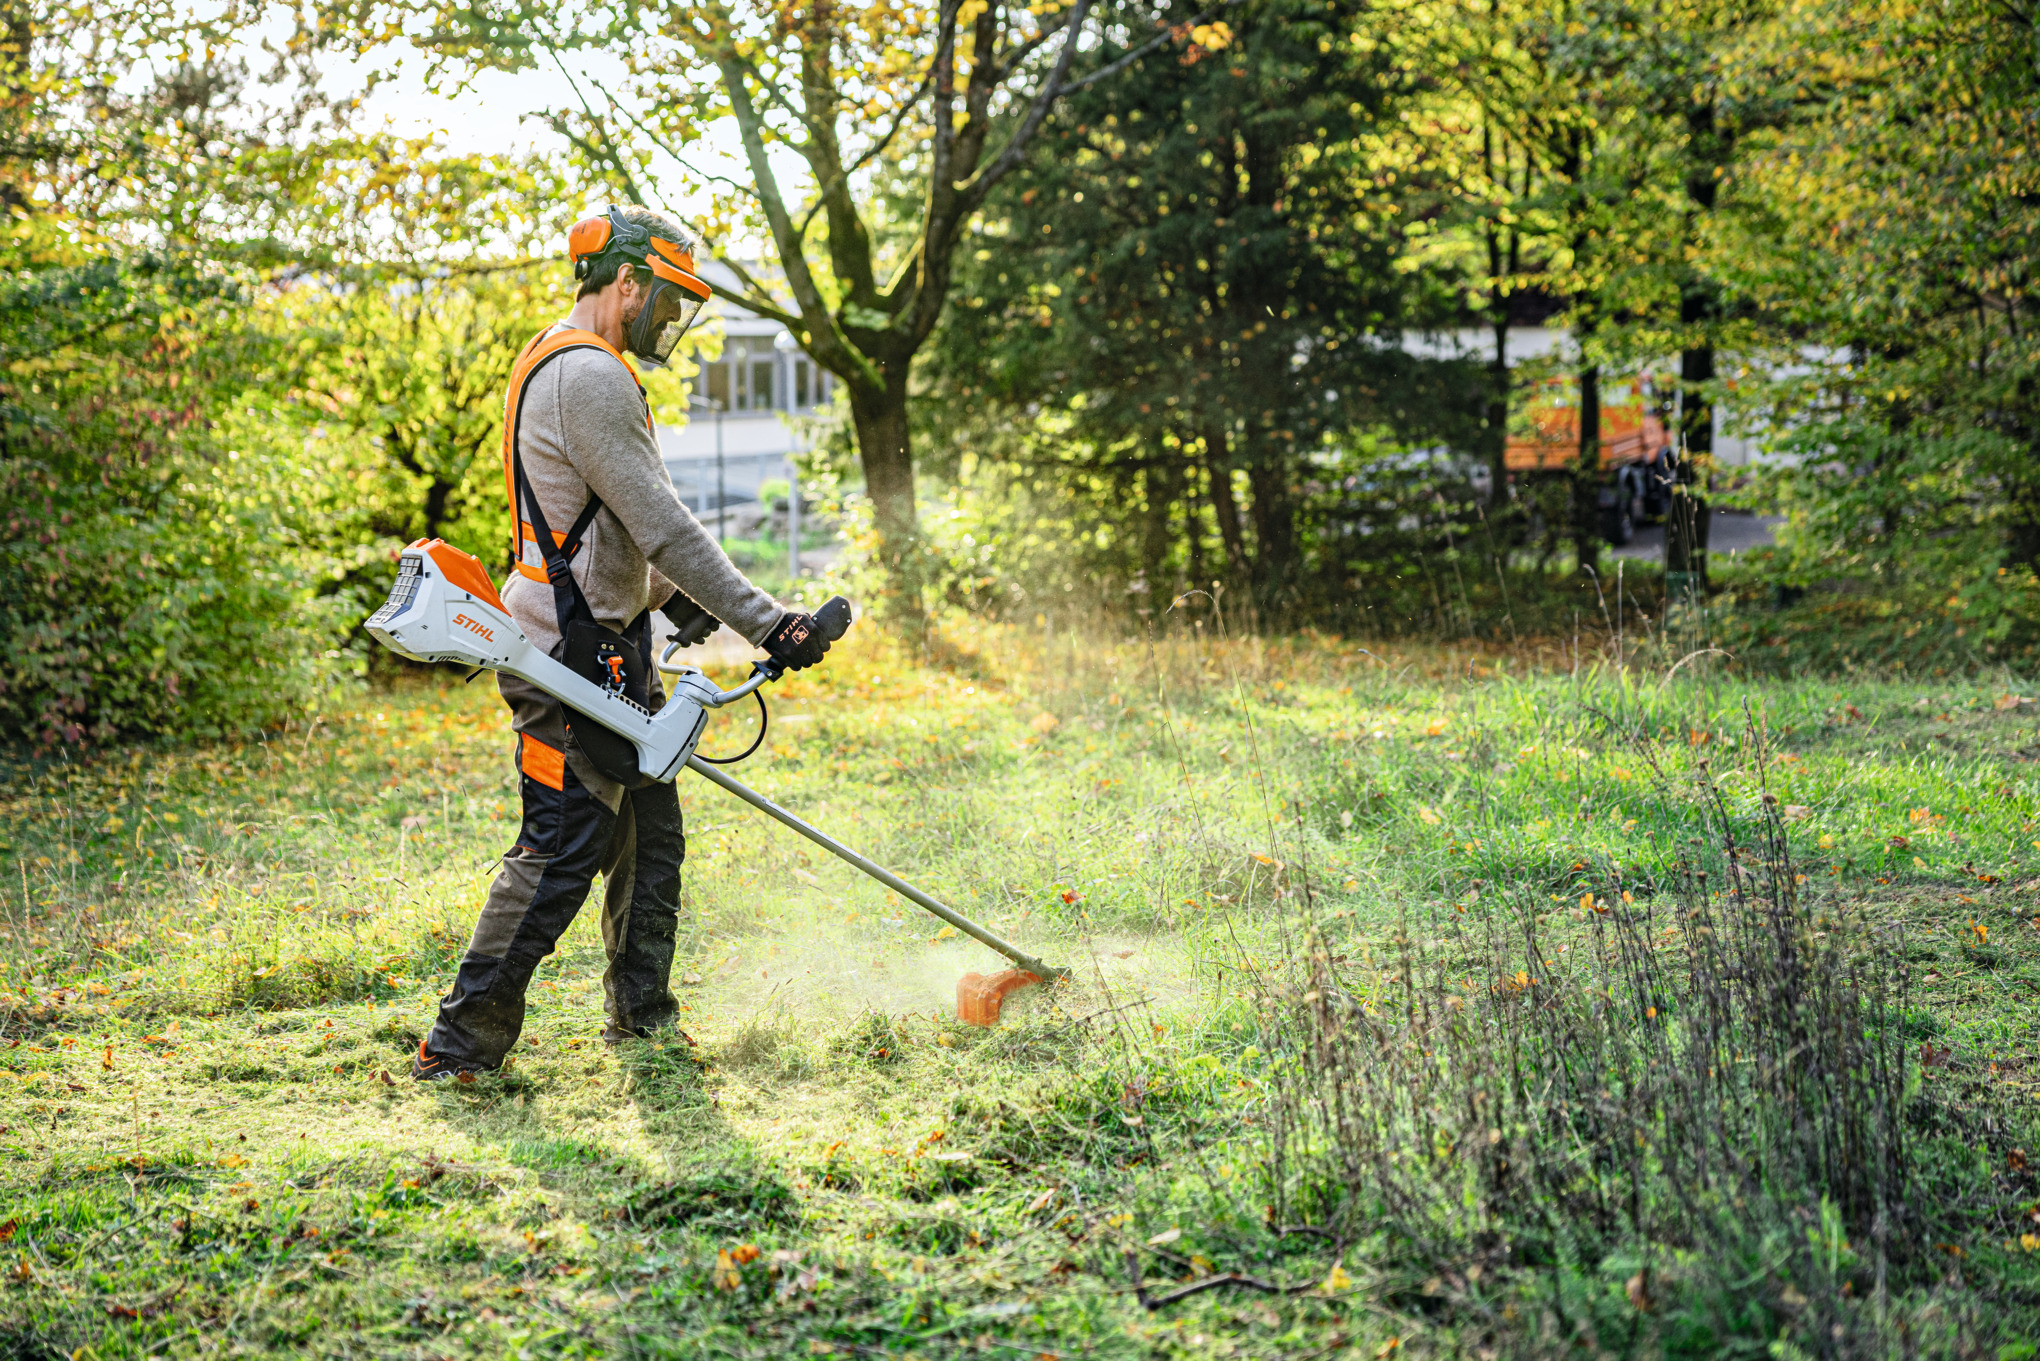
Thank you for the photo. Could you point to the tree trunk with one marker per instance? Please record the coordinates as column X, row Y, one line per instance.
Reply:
column 1224, row 507
column 1274, row 512
column 884, row 446
column 1161, row 489
column 1686, row 520
column 1587, row 473
column 1498, row 417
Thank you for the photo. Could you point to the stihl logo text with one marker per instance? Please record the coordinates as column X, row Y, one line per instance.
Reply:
column 472, row 627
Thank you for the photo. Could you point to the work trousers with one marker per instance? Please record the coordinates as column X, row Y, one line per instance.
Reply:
column 577, row 823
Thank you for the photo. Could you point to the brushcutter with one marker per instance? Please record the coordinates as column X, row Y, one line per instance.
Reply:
column 444, row 608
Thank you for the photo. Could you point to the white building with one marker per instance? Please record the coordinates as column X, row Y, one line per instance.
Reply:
column 746, row 404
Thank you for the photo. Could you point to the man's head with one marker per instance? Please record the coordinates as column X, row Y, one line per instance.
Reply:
column 649, row 260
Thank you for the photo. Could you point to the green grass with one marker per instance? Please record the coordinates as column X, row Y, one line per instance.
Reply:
column 216, row 962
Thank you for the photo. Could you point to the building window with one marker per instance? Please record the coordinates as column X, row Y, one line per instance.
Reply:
column 718, row 375
column 761, row 385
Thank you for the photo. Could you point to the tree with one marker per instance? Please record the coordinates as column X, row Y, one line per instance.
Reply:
column 1894, row 221
column 903, row 120
column 1199, row 275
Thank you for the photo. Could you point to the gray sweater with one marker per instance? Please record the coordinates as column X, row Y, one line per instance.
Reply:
column 583, row 429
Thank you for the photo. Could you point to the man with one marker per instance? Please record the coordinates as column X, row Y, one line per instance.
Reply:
column 579, row 450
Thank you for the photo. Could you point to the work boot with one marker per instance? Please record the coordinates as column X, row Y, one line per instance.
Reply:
column 427, row 1067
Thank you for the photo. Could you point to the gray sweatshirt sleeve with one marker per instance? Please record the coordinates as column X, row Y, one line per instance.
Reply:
column 609, row 446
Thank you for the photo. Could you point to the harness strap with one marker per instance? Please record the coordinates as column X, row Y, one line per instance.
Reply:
column 542, row 349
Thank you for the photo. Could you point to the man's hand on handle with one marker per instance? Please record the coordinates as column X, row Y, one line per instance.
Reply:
column 691, row 623
column 796, row 643
column 801, row 640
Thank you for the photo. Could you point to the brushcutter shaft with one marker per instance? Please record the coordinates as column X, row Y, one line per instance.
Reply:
column 884, row 876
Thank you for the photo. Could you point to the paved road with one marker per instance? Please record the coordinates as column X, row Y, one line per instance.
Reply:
column 1730, row 532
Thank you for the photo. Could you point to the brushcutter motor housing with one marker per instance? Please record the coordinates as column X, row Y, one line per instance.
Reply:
column 444, row 608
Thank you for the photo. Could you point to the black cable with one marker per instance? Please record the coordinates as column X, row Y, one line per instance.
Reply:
column 764, row 717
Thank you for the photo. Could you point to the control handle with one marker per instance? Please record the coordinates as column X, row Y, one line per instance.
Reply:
column 833, row 617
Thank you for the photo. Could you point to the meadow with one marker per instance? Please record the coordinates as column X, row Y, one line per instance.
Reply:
column 1444, row 1003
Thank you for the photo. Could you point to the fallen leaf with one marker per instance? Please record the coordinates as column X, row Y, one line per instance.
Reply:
column 945, row 933
column 1428, row 814
column 805, row 877
column 1337, row 1280
column 106, row 1059
column 1122, row 954
column 1040, row 1202
column 1164, row 1237
column 1045, row 723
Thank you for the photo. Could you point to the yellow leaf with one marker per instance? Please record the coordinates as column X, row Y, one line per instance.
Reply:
column 1338, row 1280
column 1428, row 814
column 945, row 933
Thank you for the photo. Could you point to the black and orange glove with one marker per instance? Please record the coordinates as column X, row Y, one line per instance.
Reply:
column 796, row 642
column 690, row 622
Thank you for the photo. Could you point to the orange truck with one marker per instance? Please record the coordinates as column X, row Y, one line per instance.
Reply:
column 1637, row 452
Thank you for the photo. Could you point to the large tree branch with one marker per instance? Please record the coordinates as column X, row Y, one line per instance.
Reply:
column 824, row 340
column 849, row 240
column 752, row 301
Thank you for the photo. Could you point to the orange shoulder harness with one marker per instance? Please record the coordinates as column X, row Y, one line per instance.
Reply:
column 543, row 347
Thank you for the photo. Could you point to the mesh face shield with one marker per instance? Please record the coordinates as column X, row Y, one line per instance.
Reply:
column 665, row 317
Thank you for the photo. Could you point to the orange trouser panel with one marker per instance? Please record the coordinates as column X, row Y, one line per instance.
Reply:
column 547, row 765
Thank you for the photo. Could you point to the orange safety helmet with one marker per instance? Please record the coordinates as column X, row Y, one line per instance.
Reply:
column 677, row 292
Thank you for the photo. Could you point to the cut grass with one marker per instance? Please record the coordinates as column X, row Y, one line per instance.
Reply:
column 214, row 956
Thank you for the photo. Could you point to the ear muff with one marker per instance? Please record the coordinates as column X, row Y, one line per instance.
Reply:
column 586, row 240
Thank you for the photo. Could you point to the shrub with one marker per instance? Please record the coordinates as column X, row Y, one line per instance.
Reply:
column 152, row 577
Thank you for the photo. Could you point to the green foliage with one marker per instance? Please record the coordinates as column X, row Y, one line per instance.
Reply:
column 1892, row 224
column 153, row 509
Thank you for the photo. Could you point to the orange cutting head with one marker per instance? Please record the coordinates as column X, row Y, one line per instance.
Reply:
column 978, row 998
